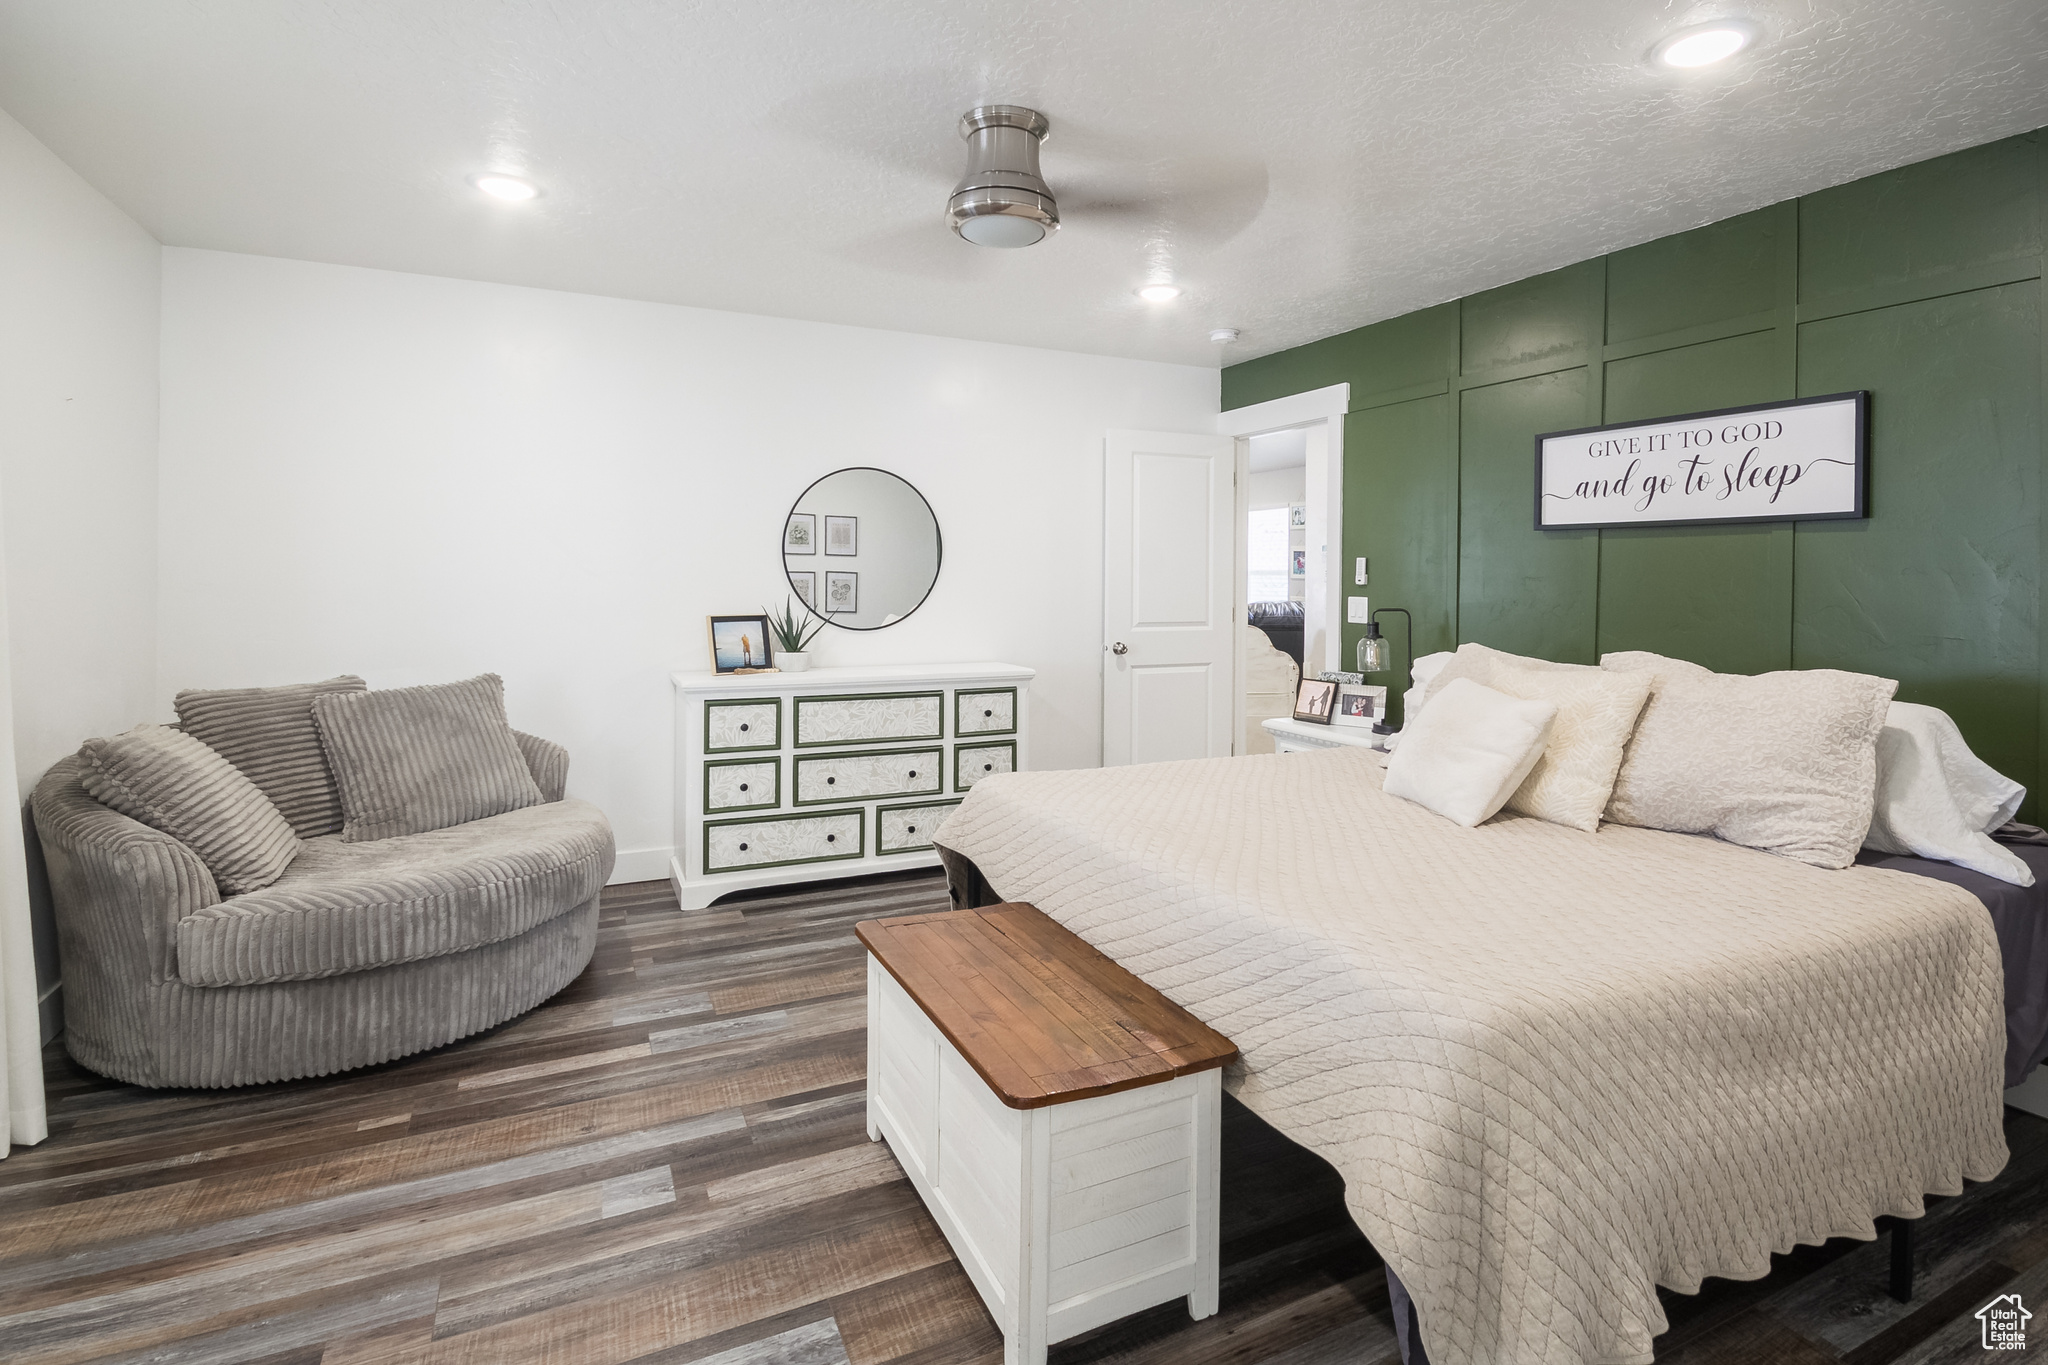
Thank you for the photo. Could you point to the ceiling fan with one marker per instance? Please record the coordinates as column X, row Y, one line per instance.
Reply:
column 1004, row 201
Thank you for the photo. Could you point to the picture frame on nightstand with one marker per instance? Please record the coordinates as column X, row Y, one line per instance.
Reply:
column 1358, row 705
column 1313, row 700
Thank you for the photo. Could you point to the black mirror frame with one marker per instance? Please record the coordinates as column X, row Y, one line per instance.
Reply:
column 938, row 534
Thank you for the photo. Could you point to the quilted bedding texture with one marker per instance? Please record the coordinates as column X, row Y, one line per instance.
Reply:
column 1555, row 1069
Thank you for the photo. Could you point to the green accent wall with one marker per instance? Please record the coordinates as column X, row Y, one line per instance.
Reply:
column 1923, row 285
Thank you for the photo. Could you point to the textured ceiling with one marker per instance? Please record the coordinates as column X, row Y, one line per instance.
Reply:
column 1301, row 168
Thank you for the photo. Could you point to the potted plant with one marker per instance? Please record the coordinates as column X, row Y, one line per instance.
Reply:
column 793, row 635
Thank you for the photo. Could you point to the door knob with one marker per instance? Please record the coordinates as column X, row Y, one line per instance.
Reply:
column 1119, row 648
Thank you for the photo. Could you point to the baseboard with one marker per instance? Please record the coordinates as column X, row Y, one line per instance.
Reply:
column 641, row 865
column 2031, row 1094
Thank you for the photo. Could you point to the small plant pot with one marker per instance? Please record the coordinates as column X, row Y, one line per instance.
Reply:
column 793, row 661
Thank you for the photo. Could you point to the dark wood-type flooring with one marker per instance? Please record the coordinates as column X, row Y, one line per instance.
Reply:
column 668, row 1163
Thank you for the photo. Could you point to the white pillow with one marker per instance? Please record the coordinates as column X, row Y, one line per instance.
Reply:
column 1785, row 762
column 1596, row 714
column 1465, row 755
column 1421, row 674
column 1936, row 799
column 1477, row 662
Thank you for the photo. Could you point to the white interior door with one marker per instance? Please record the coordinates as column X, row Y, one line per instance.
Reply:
column 1170, row 631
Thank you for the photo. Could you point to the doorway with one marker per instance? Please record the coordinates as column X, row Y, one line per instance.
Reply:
column 1290, row 481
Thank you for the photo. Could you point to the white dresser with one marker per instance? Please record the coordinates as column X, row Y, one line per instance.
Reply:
column 793, row 777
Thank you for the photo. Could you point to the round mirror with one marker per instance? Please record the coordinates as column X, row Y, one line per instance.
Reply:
column 862, row 548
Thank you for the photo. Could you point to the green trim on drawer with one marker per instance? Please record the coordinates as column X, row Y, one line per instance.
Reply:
column 962, row 695
column 959, row 749
column 796, row 777
column 881, row 852
column 775, row 743
column 774, row 765
column 860, row 839
column 797, row 711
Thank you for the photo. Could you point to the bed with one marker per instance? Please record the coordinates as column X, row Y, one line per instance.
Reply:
column 1555, row 1069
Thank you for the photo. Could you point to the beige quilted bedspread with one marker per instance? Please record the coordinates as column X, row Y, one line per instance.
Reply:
column 1555, row 1068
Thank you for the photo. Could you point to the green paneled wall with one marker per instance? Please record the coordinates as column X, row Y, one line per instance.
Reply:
column 1923, row 285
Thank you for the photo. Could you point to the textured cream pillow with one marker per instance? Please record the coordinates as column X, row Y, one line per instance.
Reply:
column 1466, row 754
column 1477, row 662
column 1596, row 714
column 1785, row 762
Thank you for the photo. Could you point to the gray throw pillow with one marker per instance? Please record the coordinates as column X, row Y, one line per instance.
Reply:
column 413, row 759
column 268, row 733
column 172, row 782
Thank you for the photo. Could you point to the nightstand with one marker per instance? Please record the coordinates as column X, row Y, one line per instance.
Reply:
column 1301, row 737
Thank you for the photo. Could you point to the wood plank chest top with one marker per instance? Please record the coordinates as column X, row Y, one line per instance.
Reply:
column 1060, row 1118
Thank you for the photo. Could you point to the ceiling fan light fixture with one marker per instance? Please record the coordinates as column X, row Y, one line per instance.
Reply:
column 1160, row 292
column 1002, row 200
column 1704, row 44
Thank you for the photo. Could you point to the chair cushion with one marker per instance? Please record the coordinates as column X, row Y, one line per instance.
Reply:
column 346, row 907
column 413, row 759
column 268, row 733
column 171, row 782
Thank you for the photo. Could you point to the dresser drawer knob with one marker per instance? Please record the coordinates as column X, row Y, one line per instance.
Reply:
column 913, row 772
column 988, row 713
column 743, row 727
column 743, row 786
column 910, row 829
column 831, row 781
column 831, row 838
column 743, row 848
column 988, row 767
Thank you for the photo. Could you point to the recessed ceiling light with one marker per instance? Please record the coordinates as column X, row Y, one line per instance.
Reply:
column 1159, row 293
column 509, row 188
column 1705, row 44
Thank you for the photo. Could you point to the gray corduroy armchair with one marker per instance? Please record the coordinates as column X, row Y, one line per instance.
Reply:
column 359, row 953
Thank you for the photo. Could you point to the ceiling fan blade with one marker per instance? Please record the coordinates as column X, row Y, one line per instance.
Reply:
column 1205, row 201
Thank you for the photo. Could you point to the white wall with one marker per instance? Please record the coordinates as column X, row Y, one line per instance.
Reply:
column 418, row 479
column 1278, row 487
column 78, row 432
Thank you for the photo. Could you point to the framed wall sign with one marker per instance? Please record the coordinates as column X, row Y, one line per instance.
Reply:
column 1797, row 461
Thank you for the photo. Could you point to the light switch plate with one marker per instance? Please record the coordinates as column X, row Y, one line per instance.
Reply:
column 1357, row 610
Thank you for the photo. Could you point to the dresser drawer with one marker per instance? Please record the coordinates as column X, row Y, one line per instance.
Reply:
column 770, row 840
column 972, row 762
column 742, row 724
column 989, row 712
column 825, row 778
column 743, row 784
column 869, row 719
column 908, row 829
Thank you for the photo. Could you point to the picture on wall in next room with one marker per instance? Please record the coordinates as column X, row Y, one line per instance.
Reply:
column 841, row 535
column 842, row 592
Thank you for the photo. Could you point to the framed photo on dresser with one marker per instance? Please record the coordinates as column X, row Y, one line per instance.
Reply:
column 739, row 644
